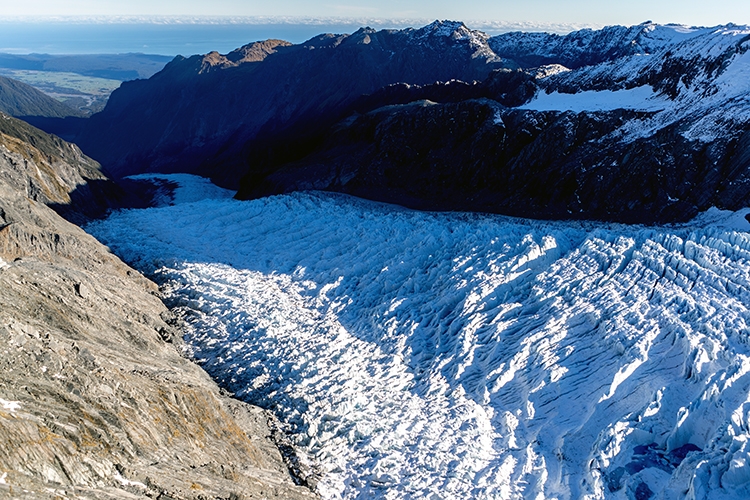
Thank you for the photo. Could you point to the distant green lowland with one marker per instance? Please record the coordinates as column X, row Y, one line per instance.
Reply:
column 119, row 67
column 82, row 82
column 88, row 94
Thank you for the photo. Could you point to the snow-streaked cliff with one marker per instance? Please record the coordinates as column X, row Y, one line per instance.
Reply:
column 697, row 77
column 424, row 355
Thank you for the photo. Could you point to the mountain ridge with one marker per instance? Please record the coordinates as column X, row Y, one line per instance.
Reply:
column 682, row 150
column 263, row 117
column 20, row 99
column 212, row 117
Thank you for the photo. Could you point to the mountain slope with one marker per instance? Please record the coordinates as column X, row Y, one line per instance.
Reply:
column 95, row 400
column 20, row 99
column 48, row 170
column 207, row 113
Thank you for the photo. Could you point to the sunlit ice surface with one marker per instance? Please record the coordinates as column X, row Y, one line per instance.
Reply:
column 427, row 355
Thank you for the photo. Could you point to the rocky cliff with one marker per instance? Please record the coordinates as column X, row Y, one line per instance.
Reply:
column 95, row 399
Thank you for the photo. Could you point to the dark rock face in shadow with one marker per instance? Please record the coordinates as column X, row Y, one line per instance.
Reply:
column 479, row 155
column 206, row 114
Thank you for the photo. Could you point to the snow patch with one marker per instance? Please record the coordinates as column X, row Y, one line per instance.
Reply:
column 190, row 188
column 127, row 482
column 639, row 98
column 549, row 70
column 11, row 406
column 726, row 219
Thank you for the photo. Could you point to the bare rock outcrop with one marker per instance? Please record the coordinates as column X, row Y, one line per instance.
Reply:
column 95, row 399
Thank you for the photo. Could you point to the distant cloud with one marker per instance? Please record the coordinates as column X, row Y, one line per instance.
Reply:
column 495, row 27
column 353, row 10
column 353, row 19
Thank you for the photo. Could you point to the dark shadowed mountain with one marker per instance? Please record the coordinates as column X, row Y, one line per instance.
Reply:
column 208, row 114
column 20, row 99
column 637, row 124
column 655, row 129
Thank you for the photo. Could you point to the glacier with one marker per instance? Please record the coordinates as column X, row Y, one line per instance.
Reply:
column 416, row 355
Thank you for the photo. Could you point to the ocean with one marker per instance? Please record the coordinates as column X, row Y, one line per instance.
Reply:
column 151, row 38
column 171, row 37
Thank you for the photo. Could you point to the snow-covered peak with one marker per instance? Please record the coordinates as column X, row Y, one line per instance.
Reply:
column 652, row 37
column 455, row 29
column 591, row 47
column 698, row 76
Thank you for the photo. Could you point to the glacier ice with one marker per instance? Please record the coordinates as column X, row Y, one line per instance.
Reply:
column 426, row 355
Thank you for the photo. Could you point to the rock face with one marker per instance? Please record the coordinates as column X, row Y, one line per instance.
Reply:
column 211, row 114
column 95, row 399
column 478, row 155
column 50, row 171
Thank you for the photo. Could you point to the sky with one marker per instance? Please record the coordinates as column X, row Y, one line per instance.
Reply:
column 586, row 12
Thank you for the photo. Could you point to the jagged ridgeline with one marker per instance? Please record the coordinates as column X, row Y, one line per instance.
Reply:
column 48, row 170
column 638, row 124
column 95, row 399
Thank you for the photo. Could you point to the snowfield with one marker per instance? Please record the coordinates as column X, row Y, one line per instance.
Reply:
column 638, row 98
column 716, row 97
column 421, row 355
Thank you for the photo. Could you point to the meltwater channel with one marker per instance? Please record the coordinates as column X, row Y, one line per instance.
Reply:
column 417, row 355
